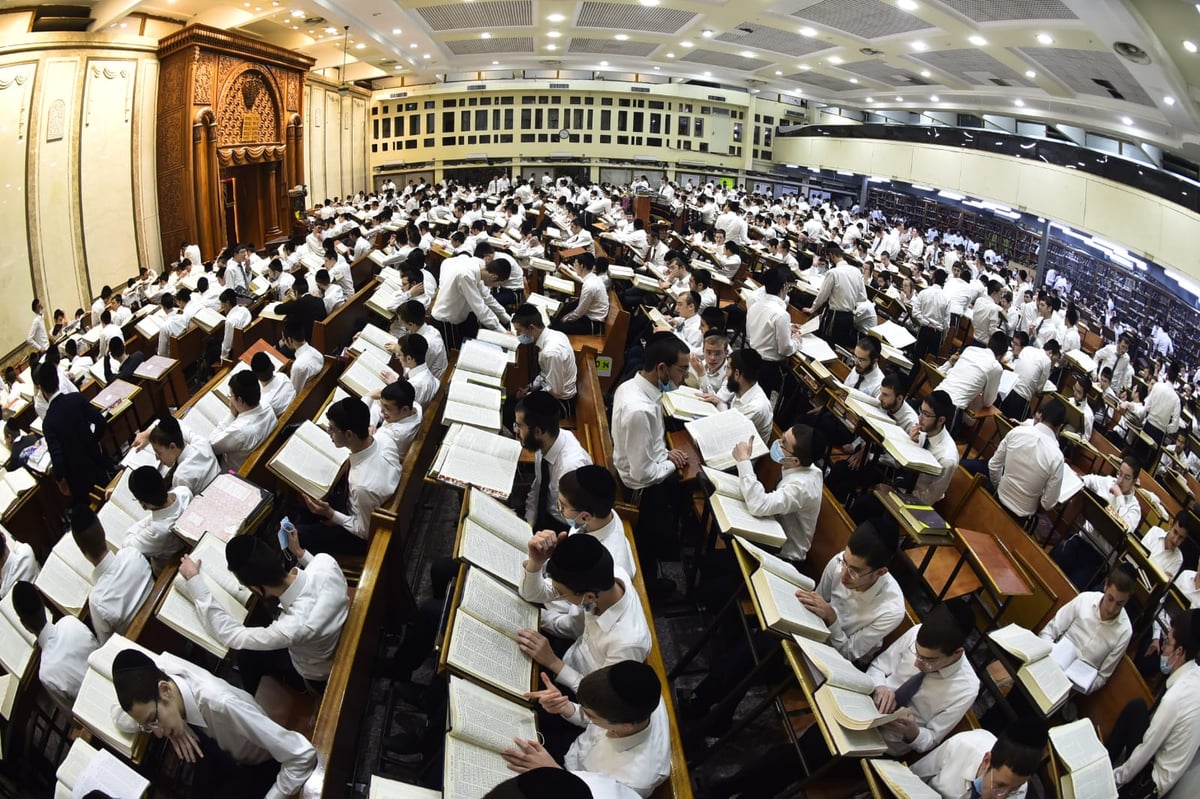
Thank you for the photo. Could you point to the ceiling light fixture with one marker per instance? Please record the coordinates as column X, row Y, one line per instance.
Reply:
column 657, row 68
column 1029, row 73
column 804, row 67
column 686, row 43
column 907, row 5
column 834, row 59
column 485, row 35
column 622, row 37
column 933, row 98
column 360, row 46
column 854, row 80
column 1019, row 103
column 978, row 41
column 926, row 73
column 778, row 72
column 1190, row 46
column 1169, row 100
column 297, row 13
column 495, row 63
column 649, row 2
column 809, row 32
column 553, row 34
column 708, row 74
column 427, row 56
column 670, row 55
column 396, row 31
column 1045, row 38
column 920, row 46
column 556, row 18
column 899, row 99
column 707, row 33
column 747, row 54
column 1126, row 121
column 603, row 63
column 870, row 99
column 552, row 47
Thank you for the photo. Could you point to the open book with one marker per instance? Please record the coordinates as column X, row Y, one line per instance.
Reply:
column 817, row 349
column 365, row 374
column 908, row 453
column 900, row 780
column 1071, row 484
column 733, row 516
column 66, row 577
column 560, row 284
column 120, row 512
column 482, row 725
column 482, row 358
column 221, row 509
column 845, row 699
column 208, row 319
column 715, row 436
column 505, row 340
column 93, row 707
column 472, row 404
column 12, row 485
column 375, row 336
column 493, row 537
column 483, row 638
column 153, row 367
column 149, row 326
column 177, row 610
column 684, row 403
column 1041, row 675
column 86, row 769
column 309, row 462
column 387, row 294
column 383, row 788
column 782, row 611
column 17, row 645
column 473, row 457
column 1090, row 772
column 894, row 334
column 205, row 415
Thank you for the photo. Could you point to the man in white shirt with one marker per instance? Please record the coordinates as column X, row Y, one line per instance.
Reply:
column 237, row 317
column 977, row 764
column 1083, row 555
column 278, row 391
column 770, row 332
column 1047, row 327
column 933, row 434
column 1161, row 744
column 1096, row 625
column 1161, row 408
column 464, row 302
column 590, row 313
column 121, row 580
column 187, row 464
column 985, row 313
column 747, row 396
column 414, row 351
column 553, row 368
column 236, row 748
column 174, row 326
column 974, row 380
column 38, row 340
column 246, row 427
column 400, row 416
column 331, row 293
column 299, row 644
column 308, row 361
column 1163, row 546
column 931, row 313
column 374, row 475
column 796, row 501
column 1027, row 467
column 412, row 317
column 152, row 535
column 556, row 452
column 843, row 289
column 1033, row 366
column 237, row 268
column 1116, row 357
column 64, row 645
column 580, row 237
column 686, row 322
column 856, row 472
column 17, row 562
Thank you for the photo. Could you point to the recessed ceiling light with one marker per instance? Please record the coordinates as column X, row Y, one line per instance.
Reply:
column 1019, row 103
column 1029, row 73
column 622, row 37
column 495, row 63
column 708, row 74
column 427, row 56
column 485, row 35
column 747, row 54
column 556, row 18
column 834, row 59
column 854, row 80
column 926, row 73
column 870, row 99
column 553, row 34
column 413, row 46
column 809, row 32
column 920, row 46
column 657, row 68
column 907, row 5
column 1190, row 46
column 707, row 33
column 552, row 47
column 899, row 99
column 978, row 41
column 398, row 67
column 648, row 2
column 331, row 30
column 124, row 24
column 1126, row 121
column 670, row 55
column 603, row 63
column 778, row 72
column 1169, row 100
column 396, row 31
column 804, row 67
column 297, row 13
column 933, row 98
column 1045, row 38
column 686, row 43
column 360, row 46
column 295, row 27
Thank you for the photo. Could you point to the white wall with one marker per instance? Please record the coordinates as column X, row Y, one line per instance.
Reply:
column 335, row 137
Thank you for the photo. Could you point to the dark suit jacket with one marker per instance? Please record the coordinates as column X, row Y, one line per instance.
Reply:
column 73, row 427
column 130, row 365
column 308, row 309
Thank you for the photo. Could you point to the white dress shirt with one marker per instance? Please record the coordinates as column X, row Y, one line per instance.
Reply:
column 152, row 534
column 931, row 308
column 237, row 319
column 306, row 365
column 940, row 702
column 639, row 443
column 237, row 436
column 557, row 372
column 1026, row 467
column 619, row 633
column 333, row 297
column 843, row 288
column 340, row 274
column 424, row 384
column 121, row 582
column 605, row 787
column 1166, row 561
column 1125, row 506
column 976, row 373
column 952, row 767
column 1122, row 375
column 985, row 319
column 864, row 618
column 463, row 292
column 1174, row 733
column 1033, row 369
column 435, row 354
column 401, row 434
column 756, row 406
column 280, row 392
column 1089, row 418
column 1046, row 330
column 312, row 612
column 1162, row 407
column 38, row 338
column 715, row 383
column 593, row 301
column 868, row 383
column 374, row 475
column 931, row 488
column 174, row 326
column 1099, row 643
column 232, row 718
column 65, row 647
column 795, row 503
column 769, row 329
column 19, row 564
column 196, row 468
column 564, row 456
column 640, row 761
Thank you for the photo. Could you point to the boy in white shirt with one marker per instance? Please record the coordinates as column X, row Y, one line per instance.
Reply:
column 1163, row 545
column 152, row 535
column 976, row 763
column 121, row 580
column 64, row 645
column 796, row 500
column 17, row 562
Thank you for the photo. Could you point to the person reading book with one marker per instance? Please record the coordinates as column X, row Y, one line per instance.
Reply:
column 857, row 471
column 17, row 562
column 555, row 453
column 1096, row 626
column 977, row 764
column 188, row 464
column 926, row 671
column 277, row 389
column 413, row 319
column 374, row 475
column 580, row 570
column 863, row 381
column 298, row 646
column 710, row 374
column 538, row 783
column 121, row 580
column 413, row 352
column 796, row 500
column 626, row 733
column 1164, row 545
column 234, row 748
column 64, row 645
column 1155, row 746
column 152, row 535
column 745, row 394
column 1083, row 555
column 587, row 315
column 400, row 416
column 307, row 361
column 552, row 368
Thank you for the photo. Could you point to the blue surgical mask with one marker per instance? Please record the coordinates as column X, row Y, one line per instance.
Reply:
column 977, row 786
column 1164, row 664
column 777, row 453
column 525, row 339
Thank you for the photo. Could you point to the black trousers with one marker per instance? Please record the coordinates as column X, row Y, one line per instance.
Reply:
column 255, row 664
column 657, row 533
column 584, row 326
column 455, row 334
column 929, row 341
column 1126, row 734
column 1014, row 406
column 840, row 328
column 216, row 774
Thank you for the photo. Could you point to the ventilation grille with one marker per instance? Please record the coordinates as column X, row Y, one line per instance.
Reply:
column 885, row 73
column 868, row 19
column 773, row 39
column 500, row 14
column 976, row 66
column 612, row 47
column 824, row 81
column 1091, row 72
column 994, row 11
column 516, row 44
column 725, row 60
column 654, row 19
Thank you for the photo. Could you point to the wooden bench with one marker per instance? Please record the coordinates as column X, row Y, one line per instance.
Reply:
column 336, row 329
column 613, row 341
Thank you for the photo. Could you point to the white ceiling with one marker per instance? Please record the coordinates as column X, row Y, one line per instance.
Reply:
column 972, row 55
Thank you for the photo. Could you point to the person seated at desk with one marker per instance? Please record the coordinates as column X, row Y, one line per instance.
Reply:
column 278, row 391
column 1032, row 366
column 977, row 764
column 556, row 452
column 1079, row 399
column 281, row 280
column 1027, row 467
column 152, row 535
column 330, row 293
column 188, row 464
column 237, row 317
column 580, row 237
column 374, row 475
column 796, row 501
column 555, row 371
column 686, row 323
column 78, row 366
column 121, row 580
column 17, row 562
column 248, row 424
column 710, row 374
column 174, row 326
column 307, row 361
column 588, row 315
column 400, row 416
column 235, row 749
column 856, row 472
column 413, row 320
column 303, row 307
column 64, row 645
column 1161, row 741
column 700, row 281
column 926, row 670
column 580, row 570
column 865, row 380
column 626, row 731
column 745, row 394
column 1097, row 626
column 974, row 380
column 413, row 352
column 119, row 364
column 1163, row 545
column 1083, row 555
column 299, row 644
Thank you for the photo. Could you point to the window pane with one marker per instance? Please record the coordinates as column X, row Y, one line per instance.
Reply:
column 414, row 125
column 464, row 121
column 699, row 128
column 639, row 119
column 656, row 123
column 526, row 118
column 447, row 122
column 481, row 120
column 685, row 126
column 552, row 118
column 605, row 119
column 387, row 127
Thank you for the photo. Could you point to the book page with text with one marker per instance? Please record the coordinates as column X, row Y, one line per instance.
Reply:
column 479, row 716
column 489, row 655
column 495, row 605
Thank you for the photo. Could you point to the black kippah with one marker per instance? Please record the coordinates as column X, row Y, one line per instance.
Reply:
column 131, row 660
column 595, row 480
column 545, row 783
column 1031, row 733
column 239, row 550
column 636, row 686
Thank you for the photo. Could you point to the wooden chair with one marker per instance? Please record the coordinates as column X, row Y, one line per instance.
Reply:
column 336, row 329
column 611, row 343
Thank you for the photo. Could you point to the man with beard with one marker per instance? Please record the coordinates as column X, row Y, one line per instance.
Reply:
column 556, row 452
column 747, row 395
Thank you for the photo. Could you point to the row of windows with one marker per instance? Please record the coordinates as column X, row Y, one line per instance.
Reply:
column 553, row 99
column 553, row 119
column 549, row 138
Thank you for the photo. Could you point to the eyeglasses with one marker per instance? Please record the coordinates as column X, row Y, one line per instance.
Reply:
column 1001, row 793
column 853, row 573
column 927, row 414
column 152, row 725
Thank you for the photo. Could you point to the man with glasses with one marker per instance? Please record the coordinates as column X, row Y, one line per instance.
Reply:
column 979, row 765
column 1162, row 741
column 235, row 749
column 1084, row 554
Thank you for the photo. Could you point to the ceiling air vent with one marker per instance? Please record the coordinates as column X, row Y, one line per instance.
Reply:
column 60, row 18
column 870, row 51
column 560, row 85
column 999, row 82
column 1131, row 52
column 1108, row 87
column 313, row 21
